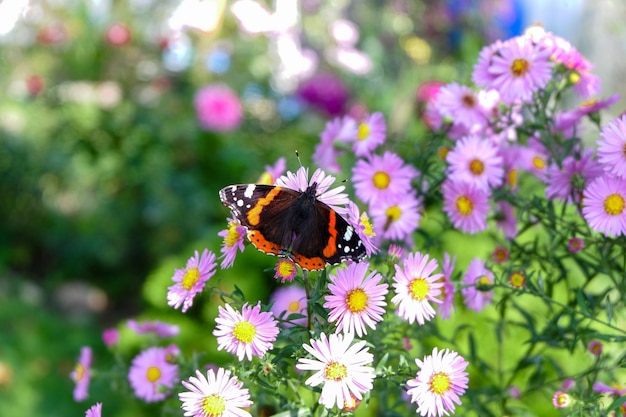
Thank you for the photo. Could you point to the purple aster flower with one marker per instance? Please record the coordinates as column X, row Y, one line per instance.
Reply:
column 416, row 287
column 341, row 366
column 191, row 280
column 151, row 375
column 477, row 282
column 356, row 299
column 234, row 240
column 519, row 69
column 289, row 300
column 534, row 159
column 612, row 147
column 299, row 181
column 272, row 173
column 110, row 336
column 506, row 220
column 246, row 334
column 617, row 389
column 466, row 206
column 285, row 270
column 363, row 227
column 217, row 394
column 448, row 290
column 81, row 375
column 94, row 411
column 476, row 161
column 568, row 182
column 594, row 105
column 159, row 328
column 371, row 133
column 575, row 244
column 340, row 129
column 481, row 74
column 460, row 104
column 382, row 177
column 439, row 383
column 324, row 92
column 604, row 205
column 396, row 218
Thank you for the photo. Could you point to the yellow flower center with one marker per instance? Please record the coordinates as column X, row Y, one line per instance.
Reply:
column 153, row 374
column 285, row 268
column 517, row 279
column 367, row 225
column 190, row 278
column 614, row 204
column 483, row 283
column 335, row 371
column 476, row 166
column 574, row 78
column 464, row 205
column 233, row 235
column 266, row 178
column 393, row 213
column 381, row 180
column 293, row 307
column 439, row 383
column 363, row 132
column 512, row 177
column 539, row 163
column 213, row 405
column 356, row 300
column 442, row 152
column 418, row 288
column 562, row 399
column 244, row 332
column 520, row 67
column 79, row 372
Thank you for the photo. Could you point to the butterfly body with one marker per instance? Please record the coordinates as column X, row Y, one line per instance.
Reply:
column 282, row 221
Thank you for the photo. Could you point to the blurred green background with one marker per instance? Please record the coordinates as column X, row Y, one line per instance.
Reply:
column 108, row 183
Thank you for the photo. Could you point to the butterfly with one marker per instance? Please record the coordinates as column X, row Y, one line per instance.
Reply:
column 286, row 222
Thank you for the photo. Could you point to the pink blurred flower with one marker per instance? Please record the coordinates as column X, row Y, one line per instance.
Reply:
column 218, row 108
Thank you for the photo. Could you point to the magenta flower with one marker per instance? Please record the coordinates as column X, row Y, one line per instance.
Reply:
column 447, row 290
column 159, row 328
column 460, row 104
column 604, row 205
column 381, row 178
column 575, row 244
column 285, row 270
column 246, row 334
column 299, row 181
column 416, row 287
column 234, row 241
column 110, row 336
column 342, row 367
column 289, row 300
column 325, row 92
column 477, row 162
column 81, row 375
column 477, row 282
column 356, row 299
column 568, row 182
column 218, row 108
column 439, row 383
column 612, row 147
column 466, row 206
column 520, row 68
column 370, row 134
column 595, row 347
column 217, row 394
column 94, row 411
column 191, row 280
column 396, row 218
column 151, row 375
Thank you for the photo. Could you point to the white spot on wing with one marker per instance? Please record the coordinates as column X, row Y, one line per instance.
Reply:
column 249, row 190
column 348, row 235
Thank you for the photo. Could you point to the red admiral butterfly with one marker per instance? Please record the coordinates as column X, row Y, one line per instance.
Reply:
column 282, row 221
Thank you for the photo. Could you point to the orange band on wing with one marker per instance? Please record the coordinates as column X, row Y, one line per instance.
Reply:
column 310, row 264
column 262, row 244
column 331, row 247
column 254, row 215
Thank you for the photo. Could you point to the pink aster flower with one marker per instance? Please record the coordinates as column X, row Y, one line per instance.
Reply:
column 616, row 389
column 110, row 336
column 568, row 181
column 439, row 383
column 460, row 104
column 595, row 105
column 380, row 178
column 424, row 95
column 612, row 147
column 500, row 254
column 481, row 75
column 216, row 394
column 156, row 327
column 416, row 287
column 506, row 220
column 534, row 159
column 595, row 347
column 396, row 218
column 191, row 280
column 81, row 375
column 246, row 334
column 273, row 172
column 604, row 205
column 234, row 241
column 218, row 108
column 356, row 300
column 363, row 227
column 575, row 244
column 466, row 206
column 476, row 161
column 561, row 399
column 289, row 300
column 370, row 134
column 151, row 375
column 477, row 282
column 285, row 270
column 299, row 181
column 447, row 290
column 341, row 366
column 340, row 129
column 94, row 411
column 519, row 69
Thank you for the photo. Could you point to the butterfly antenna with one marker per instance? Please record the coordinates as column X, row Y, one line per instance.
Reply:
column 298, row 156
